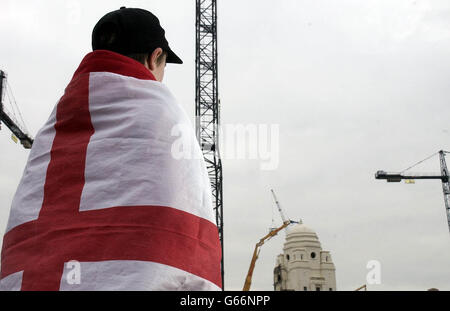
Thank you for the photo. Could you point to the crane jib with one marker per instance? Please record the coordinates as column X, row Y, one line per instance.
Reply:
column 443, row 176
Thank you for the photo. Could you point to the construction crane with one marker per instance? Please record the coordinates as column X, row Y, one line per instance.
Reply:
column 207, row 104
column 272, row 233
column 8, row 119
column 443, row 176
column 283, row 218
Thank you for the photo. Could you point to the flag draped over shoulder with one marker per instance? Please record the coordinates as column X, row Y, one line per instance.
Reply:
column 103, row 198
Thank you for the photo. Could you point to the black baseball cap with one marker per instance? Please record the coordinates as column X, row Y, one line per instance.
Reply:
column 131, row 30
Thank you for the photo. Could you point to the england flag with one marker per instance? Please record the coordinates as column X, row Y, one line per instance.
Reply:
column 103, row 203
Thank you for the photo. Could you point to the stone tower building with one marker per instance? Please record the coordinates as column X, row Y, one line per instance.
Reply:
column 304, row 266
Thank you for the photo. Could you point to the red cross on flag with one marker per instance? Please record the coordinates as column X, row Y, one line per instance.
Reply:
column 102, row 195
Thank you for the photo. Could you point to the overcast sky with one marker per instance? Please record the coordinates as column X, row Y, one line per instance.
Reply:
column 354, row 86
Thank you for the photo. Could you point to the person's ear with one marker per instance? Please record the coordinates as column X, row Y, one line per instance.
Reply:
column 153, row 58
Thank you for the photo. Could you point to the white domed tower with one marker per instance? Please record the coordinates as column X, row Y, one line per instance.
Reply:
column 304, row 266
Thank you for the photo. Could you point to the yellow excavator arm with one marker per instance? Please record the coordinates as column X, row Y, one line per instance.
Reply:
column 248, row 279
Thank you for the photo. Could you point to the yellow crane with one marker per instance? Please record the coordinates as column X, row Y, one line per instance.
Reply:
column 248, row 279
column 273, row 232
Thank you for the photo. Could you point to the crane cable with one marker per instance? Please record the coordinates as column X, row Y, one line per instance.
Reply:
column 419, row 162
column 14, row 106
column 273, row 218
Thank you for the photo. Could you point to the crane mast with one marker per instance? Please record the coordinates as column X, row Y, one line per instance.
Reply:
column 443, row 176
column 207, row 105
column 445, row 185
column 8, row 119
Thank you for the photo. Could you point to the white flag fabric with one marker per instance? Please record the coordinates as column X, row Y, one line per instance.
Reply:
column 104, row 202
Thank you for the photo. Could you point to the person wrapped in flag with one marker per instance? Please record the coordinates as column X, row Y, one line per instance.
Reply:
column 103, row 203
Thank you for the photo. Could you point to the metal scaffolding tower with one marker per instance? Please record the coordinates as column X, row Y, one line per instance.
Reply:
column 207, row 105
column 445, row 184
column 443, row 176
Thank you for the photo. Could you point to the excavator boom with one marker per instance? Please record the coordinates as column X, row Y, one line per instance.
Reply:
column 248, row 279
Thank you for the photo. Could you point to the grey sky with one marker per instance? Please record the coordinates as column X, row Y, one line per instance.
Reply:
column 355, row 86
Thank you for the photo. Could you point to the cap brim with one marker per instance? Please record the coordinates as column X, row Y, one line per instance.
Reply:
column 173, row 58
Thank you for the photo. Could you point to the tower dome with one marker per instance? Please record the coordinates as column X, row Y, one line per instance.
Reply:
column 300, row 235
column 299, row 228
